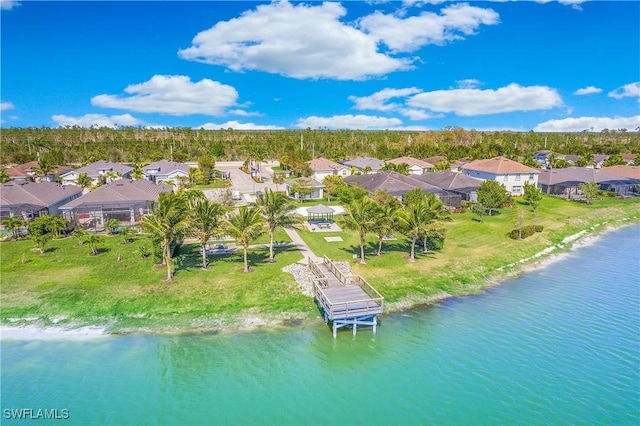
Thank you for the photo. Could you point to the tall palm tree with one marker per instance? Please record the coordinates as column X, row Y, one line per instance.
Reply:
column 245, row 225
column 385, row 223
column 205, row 223
column 360, row 216
column 413, row 221
column 436, row 212
column 278, row 211
column 169, row 222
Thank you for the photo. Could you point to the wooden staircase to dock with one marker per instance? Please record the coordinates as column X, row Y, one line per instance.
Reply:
column 345, row 300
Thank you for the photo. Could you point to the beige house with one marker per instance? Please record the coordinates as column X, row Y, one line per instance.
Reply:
column 323, row 167
column 416, row 166
column 511, row 174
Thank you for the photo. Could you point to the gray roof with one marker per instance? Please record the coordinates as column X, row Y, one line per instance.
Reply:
column 43, row 194
column 311, row 182
column 320, row 209
column 362, row 162
column 394, row 183
column 93, row 169
column 166, row 167
column 123, row 191
column 575, row 175
column 451, row 181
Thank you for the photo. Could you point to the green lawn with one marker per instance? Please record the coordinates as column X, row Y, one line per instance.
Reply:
column 130, row 294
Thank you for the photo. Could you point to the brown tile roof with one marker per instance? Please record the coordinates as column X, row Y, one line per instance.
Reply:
column 435, row 159
column 324, row 164
column 623, row 171
column 499, row 166
column 44, row 194
column 22, row 170
column 123, row 191
column 411, row 161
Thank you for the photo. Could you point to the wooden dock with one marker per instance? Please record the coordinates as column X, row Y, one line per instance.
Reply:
column 345, row 300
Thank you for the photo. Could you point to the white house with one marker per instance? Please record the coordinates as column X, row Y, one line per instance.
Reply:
column 416, row 166
column 304, row 189
column 322, row 167
column 166, row 171
column 511, row 174
column 102, row 170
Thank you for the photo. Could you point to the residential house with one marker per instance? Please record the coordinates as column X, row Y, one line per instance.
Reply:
column 457, row 165
column 632, row 172
column 304, row 189
column 435, row 159
column 166, row 171
column 416, row 167
column 23, row 172
column 566, row 182
column 396, row 184
column 465, row 186
column 322, row 167
column 630, row 159
column 126, row 200
column 100, row 171
column 365, row 164
column 511, row 174
column 542, row 157
column 598, row 159
column 30, row 200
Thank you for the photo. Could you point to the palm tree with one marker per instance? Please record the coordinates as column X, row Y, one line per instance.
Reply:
column 194, row 175
column 245, row 225
column 84, row 181
column 80, row 234
column 14, row 223
column 57, row 224
column 360, row 216
column 169, row 223
column 278, row 211
column 111, row 225
column 205, row 223
column 436, row 212
column 385, row 223
column 413, row 221
column 94, row 241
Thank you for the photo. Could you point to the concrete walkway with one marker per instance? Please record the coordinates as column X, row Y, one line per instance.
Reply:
column 302, row 246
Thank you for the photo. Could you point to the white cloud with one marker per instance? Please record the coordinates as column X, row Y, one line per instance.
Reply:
column 238, row 126
column 579, row 124
column 470, row 102
column 8, row 4
column 172, row 94
column 4, row 106
column 378, row 101
column 300, row 41
column 587, row 90
column 362, row 122
column 100, row 120
column 408, row 34
column 628, row 90
column 417, row 114
column 469, row 83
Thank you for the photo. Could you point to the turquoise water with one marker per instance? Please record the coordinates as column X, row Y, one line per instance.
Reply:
column 558, row 346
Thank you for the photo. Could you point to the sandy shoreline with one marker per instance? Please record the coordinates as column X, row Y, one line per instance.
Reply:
column 540, row 260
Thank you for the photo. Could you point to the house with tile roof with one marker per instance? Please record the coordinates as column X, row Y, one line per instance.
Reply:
column 396, row 184
column 323, row 167
column 566, row 182
column 416, row 166
column 632, row 172
column 511, row 174
column 365, row 164
column 166, row 171
column 125, row 200
column 30, row 200
column 100, row 171
column 23, row 172
column 304, row 188
column 457, row 183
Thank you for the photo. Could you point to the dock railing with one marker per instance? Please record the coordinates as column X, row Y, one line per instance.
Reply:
column 344, row 279
column 319, row 277
column 372, row 292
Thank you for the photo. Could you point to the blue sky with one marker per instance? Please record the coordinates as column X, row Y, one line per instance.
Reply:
column 544, row 66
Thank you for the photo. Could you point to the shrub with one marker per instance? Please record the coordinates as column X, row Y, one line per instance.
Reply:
column 527, row 231
column 538, row 228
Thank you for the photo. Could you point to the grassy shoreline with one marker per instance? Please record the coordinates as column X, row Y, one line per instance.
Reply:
column 68, row 289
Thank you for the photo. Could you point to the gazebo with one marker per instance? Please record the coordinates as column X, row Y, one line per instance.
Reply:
column 320, row 213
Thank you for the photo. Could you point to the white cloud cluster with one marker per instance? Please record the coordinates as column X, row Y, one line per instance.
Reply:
column 587, row 90
column 4, row 106
column 419, row 105
column 579, row 124
column 348, row 121
column 100, row 120
column 237, row 126
column 8, row 4
column 309, row 41
column 626, row 91
column 407, row 34
column 174, row 95
column 470, row 102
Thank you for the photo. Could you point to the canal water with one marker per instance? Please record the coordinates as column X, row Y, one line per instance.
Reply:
column 558, row 346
